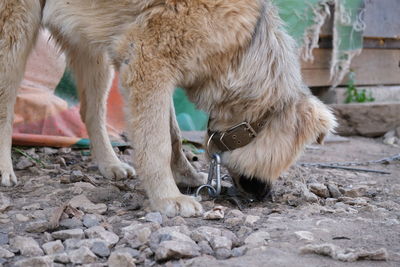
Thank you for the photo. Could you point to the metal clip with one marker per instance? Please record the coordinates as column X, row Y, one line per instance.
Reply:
column 213, row 173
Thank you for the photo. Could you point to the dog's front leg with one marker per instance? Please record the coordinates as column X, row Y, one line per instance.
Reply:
column 150, row 86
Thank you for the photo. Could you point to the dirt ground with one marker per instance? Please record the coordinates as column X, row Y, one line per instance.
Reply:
column 314, row 217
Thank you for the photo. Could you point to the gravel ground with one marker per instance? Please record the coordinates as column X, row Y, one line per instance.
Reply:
column 63, row 213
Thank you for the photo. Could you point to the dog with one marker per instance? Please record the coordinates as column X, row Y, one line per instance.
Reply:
column 233, row 57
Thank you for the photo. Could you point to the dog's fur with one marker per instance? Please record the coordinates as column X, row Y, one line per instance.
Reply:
column 232, row 56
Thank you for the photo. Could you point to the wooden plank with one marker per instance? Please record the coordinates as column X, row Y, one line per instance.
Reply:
column 375, row 43
column 372, row 67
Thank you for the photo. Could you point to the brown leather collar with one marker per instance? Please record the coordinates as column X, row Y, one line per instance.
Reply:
column 237, row 136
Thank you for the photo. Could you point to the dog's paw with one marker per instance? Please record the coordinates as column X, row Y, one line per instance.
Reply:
column 185, row 206
column 8, row 177
column 117, row 171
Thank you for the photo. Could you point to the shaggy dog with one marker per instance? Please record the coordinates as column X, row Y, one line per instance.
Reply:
column 232, row 56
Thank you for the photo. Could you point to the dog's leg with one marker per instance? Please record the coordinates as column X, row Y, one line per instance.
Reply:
column 93, row 79
column 19, row 25
column 150, row 83
column 183, row 171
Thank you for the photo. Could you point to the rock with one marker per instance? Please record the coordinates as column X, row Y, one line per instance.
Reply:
column 205, row 248
column 61, row 258
column 307, row 195
column 83, row 203
column 223, row 253
column 5, row 202
column 238, row 252
column 218, row 242
column 167, row 234
column 67, row 234
column 76, row 176
column 34, row 206
column 53, row 247
column 154, row 217
column 50, row 151
column 39, row 226
column 21, row 218
column 90, row 220
column 3, row 238
column 172, row 249
column 234, row 221
column 251, row 220
column 257, row 239
column 27, row 246
column 4, row 253
column 133, row 252
column 319, row 189
column 356, row 191
column 304, row 235
column 100, row 249
column 175, row 221
column 234, row 213
column 137, row 234
column 71, row 223
column 23, row 163
column 208, row 233
column 121, row 259
column 334, row 191
column 381, row 118
column 82, row 255
column 216, row 213
column 99, row 232
column 35, row 261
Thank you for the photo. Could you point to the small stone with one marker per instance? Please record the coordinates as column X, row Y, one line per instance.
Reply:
column 175, row 221
column 390, row 140
column 71, row 223
column 27, row 246
column 307, row 195
column 205, row 233
column 304, row 235
column 5, row 202
column 3, row 238
column 99, row 232
column 100, row 249
column 50, row 151
column 67, row 234
column 205, row 248
column 90, row 220
column 61, row 258
column 4, row 253
column 83, row 203
column 53, row 247
column 172, row 249
column 257, row 239
column 251, row 220
column 121, row 259
column 357, row 191
column 330, row 201
column 39, row 226
column 136, row 234
column 35, row 261
column 234, row 213
column 216, row 213
column 76, row 176
column 34, row 206
column 223, row 253
column 21, row 218
column 133, row 252
column 23, row 163
column 238, row 252
column 82, row 255
column 221, row 242
column 154, row 217
column 334, row 191
column 319, row 189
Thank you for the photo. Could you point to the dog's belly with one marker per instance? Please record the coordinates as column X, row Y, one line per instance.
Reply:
column 94, row 23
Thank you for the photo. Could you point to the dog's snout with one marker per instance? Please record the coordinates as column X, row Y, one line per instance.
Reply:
column 257, row 188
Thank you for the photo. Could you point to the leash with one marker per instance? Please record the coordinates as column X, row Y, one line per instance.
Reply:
column 214, row 176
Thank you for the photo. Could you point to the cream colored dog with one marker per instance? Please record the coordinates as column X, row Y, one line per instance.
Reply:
column 232, row 56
